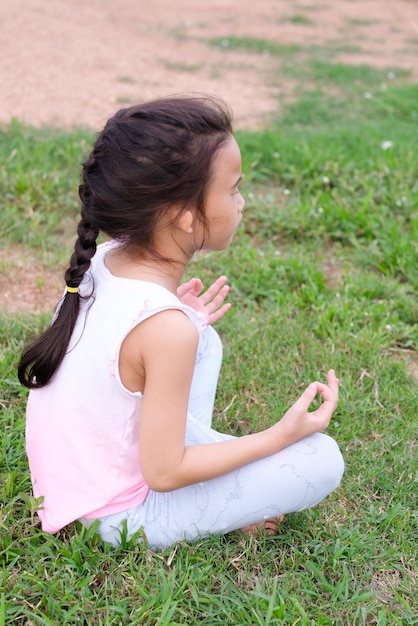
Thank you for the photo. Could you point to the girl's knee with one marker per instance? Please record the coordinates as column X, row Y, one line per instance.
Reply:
column 330, row 462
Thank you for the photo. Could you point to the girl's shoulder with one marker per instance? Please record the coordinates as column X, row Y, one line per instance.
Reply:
column 140, row 299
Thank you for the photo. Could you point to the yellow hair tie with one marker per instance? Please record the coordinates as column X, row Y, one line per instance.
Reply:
column 72, row 289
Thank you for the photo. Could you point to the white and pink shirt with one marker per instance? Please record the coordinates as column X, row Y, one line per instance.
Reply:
column 82, row 428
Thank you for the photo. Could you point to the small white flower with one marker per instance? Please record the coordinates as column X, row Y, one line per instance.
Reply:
column 276, row 155
column 385, row 145
column 325, row 180
column 320, row 210
column 286, row 192
column 368, row 95
column 388, row 327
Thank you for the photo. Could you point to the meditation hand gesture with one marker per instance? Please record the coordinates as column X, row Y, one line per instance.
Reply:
column 298, row 422
column 210, row 303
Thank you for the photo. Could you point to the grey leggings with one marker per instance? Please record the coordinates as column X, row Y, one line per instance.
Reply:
column 294, row 479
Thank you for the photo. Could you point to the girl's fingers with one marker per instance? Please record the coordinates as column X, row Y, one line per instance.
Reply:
column 193, row 286
column 330, row 399
column 219, row 298
column 212, row 292
column 305, row 400
column 214, row 317
column 196, row 286
column 327, row 393
column 332, row 379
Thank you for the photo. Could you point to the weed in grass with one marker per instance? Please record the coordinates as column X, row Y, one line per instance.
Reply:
column 181, row 67
column 357, row 21
column 124, row 101
column 129, row 80
column 179, row 33
column 409, row 50
column 252, row 44
column 338, row 46
column 299, row 19
column 312, row 7
column 344, row 74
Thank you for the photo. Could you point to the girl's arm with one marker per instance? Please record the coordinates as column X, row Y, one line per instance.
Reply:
column 168, row 343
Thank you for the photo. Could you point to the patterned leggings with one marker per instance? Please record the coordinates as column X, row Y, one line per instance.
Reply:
column 294, row 479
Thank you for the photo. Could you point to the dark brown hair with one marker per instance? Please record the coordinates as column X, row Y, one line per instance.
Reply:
column 147, row 158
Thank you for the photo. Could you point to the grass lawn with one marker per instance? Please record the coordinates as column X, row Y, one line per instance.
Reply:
column 324, row 273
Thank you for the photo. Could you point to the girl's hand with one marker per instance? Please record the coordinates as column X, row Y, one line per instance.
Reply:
column 210, row 303
column 298, row 422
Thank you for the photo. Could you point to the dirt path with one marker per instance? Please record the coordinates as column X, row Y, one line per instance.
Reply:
column 73, row 62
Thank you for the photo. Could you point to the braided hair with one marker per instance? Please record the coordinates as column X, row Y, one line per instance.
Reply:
column 147, row 158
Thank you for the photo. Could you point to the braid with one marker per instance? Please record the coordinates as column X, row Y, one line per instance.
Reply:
column 84, row 250
column 42, row 358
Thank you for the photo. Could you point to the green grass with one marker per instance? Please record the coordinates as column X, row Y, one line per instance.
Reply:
column 181, row 67
column 323, row 274
column 254, row 45
column 39, row 183
column 299, row 19
column 361, row 22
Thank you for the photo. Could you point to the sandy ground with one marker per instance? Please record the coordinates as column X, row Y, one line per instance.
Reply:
column 73, row 62
column 69, row 62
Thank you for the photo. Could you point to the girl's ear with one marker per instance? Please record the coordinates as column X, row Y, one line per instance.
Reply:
column 185, row 221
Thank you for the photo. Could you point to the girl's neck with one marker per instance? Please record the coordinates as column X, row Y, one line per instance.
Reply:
column 123, row 265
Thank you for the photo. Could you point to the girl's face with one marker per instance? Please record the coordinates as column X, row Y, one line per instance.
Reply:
column 224, row 203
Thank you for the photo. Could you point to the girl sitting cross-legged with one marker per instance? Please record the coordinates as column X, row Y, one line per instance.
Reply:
column 122, row 384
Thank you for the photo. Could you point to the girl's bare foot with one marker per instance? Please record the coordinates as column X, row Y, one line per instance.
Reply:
column 267, row 525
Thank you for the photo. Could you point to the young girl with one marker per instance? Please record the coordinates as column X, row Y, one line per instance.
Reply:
column 123, row 382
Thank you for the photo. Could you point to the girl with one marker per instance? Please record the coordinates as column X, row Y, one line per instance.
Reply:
column 123, row 382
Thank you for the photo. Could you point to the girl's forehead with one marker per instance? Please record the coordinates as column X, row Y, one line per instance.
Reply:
column 230, row 152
